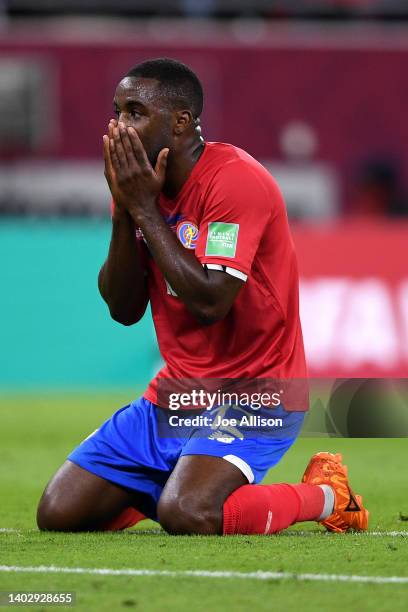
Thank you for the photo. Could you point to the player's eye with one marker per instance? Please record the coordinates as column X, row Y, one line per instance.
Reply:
column 135, row 113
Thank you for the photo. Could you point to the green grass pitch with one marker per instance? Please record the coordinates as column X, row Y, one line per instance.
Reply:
column 37, row 432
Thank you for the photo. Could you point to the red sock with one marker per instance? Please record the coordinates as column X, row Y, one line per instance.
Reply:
column 127, row 518
column 262, row 509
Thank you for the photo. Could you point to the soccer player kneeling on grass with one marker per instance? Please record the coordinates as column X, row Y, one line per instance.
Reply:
column 199, row 230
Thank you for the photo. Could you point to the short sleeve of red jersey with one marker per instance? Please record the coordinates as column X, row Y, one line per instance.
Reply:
column 237, row 209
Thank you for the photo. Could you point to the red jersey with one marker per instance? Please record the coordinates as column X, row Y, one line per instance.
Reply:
column 231, row 213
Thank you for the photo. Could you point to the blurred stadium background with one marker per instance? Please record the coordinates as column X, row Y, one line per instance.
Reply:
column 317, row 90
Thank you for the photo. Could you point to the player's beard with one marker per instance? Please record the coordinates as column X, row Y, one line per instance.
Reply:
column 152, row 151
column 152, row 157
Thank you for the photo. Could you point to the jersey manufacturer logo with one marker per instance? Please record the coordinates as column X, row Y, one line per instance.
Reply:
column 352, row 505
column 187, row 233
column 221, row 437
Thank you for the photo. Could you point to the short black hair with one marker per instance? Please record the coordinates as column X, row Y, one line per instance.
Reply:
column 178, row 83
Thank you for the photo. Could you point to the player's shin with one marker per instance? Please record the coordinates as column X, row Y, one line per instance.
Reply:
column 264, row 509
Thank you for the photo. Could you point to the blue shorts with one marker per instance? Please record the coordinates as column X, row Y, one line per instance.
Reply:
column 139, row 446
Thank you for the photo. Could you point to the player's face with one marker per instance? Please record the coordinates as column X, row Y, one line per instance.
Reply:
column 137, row 104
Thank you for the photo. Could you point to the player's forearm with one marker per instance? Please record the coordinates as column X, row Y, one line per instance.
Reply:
column 122, row 280
column 182, row 270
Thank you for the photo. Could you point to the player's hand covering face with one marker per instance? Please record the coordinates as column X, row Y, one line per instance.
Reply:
column 133, row 181
column 136, row 146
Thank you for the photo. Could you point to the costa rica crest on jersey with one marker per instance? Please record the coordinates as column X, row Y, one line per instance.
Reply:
column 187, row 233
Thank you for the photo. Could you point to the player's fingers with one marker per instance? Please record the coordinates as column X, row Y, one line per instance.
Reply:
column 138, row 149
column 161, row 165
column 113, row 155
column 118, row 146
column 127, row 145
column 107, row 158
column 112, row 124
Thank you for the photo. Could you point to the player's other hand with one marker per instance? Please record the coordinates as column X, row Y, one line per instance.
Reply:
column 135, row 185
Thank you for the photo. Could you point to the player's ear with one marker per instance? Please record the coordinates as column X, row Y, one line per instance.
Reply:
column 183, row 119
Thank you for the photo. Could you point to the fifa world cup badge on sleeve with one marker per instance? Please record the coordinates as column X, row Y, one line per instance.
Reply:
column 222, row 239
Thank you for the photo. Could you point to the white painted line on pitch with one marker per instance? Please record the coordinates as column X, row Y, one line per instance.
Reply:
column 136, row 532
column 392, row 534
column 258, row 575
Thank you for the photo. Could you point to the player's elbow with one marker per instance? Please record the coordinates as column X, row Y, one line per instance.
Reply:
column 127, row 313
column 206, row 320
column 124, row 318
column 209, row 314
column 214, row 302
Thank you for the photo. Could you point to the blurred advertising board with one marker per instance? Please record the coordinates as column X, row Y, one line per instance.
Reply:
column 354, row 297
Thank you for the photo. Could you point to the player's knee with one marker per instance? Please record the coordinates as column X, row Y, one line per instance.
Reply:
column 49, row 516
column 188, row 515
column 53, row 514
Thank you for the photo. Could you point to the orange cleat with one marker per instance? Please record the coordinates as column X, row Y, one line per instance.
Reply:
column 349, row 513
